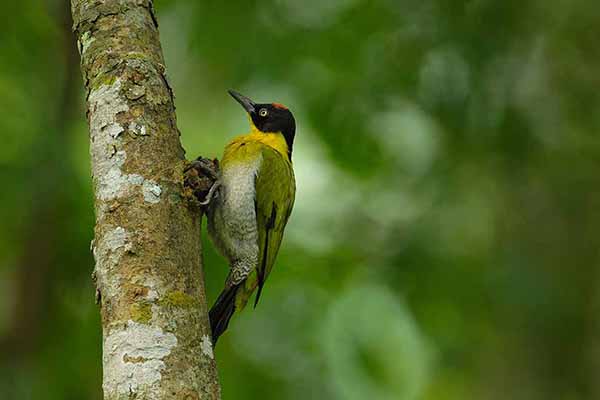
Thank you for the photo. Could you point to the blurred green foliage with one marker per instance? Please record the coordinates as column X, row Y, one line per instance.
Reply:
column 444, row 244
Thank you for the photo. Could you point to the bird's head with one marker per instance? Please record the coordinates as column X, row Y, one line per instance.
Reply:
column 269, row 117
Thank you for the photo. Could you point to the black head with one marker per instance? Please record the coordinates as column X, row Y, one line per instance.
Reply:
column 269, row 117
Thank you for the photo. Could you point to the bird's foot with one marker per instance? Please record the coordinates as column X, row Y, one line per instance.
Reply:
column 206, row 167
column 211, row 192
column 201, row 180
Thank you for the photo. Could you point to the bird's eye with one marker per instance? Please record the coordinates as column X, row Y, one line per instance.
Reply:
column 263, row 112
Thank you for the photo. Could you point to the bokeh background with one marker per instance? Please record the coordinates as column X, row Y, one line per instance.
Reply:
column 445, row 242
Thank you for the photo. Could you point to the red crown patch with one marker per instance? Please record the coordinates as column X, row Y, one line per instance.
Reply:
column 280, row 106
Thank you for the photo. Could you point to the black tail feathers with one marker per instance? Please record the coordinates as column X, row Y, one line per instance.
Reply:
column 221, row 312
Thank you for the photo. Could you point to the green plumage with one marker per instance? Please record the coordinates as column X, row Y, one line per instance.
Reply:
column 248, row 220
column 275, row 192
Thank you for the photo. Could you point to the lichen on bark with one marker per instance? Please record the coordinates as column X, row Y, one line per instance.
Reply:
column 147, row 246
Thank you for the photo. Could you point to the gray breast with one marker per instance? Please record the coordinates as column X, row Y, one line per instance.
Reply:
column 232, row 218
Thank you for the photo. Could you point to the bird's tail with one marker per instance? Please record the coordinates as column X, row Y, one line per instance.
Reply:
column 221, row 312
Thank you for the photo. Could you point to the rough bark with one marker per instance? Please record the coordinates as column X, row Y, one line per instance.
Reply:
column 156, row 336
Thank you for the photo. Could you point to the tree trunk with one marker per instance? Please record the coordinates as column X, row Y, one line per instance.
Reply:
column 156, row 336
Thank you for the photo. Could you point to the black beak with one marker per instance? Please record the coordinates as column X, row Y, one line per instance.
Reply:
column 243, row 100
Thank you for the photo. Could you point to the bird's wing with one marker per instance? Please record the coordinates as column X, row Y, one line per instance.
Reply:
column 275, row 192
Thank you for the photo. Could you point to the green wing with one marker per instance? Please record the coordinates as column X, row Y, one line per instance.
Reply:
column 275, row 192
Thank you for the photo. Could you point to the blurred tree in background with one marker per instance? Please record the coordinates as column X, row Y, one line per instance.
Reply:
column 444, row 243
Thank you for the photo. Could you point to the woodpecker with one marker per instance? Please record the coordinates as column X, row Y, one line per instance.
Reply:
column 252, row 204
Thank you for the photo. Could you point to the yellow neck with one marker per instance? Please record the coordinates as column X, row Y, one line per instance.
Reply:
column 271, row 139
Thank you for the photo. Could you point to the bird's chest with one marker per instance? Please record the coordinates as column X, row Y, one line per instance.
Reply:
column 239, row 189
column 233, row 220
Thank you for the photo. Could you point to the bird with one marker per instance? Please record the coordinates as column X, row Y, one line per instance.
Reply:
column 255, row 195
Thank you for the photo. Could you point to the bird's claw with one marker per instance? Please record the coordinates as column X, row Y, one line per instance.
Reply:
column 210, row 194
column 202, row 180
column 209, row 168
